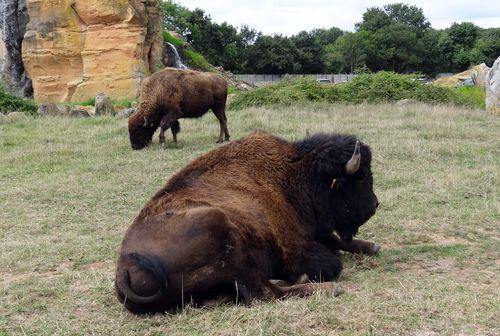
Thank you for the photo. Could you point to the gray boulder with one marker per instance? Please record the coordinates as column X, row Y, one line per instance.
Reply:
column 103, row 105
column 13, row 117
column 48, row 109
column 13, row 20
column 493, row 88
column 125, row 113
column 78, row 112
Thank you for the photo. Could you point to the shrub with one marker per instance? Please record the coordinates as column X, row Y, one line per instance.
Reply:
column 167, row 37
column 374, row 88
column 196, row 60
column 473, row 94
column 10, row 103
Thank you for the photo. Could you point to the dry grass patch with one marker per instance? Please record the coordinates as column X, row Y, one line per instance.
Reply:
column 71, row 187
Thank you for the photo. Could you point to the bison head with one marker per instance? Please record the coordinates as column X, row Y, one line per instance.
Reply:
column 140, row 131
column 342, row 184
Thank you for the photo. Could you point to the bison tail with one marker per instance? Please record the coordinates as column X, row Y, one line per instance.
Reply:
column 137, row 276
column 176, row 127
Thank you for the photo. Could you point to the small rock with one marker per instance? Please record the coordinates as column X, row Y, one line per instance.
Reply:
column 404, row 102
column 17, row 116
column 4, row 119
column 48, row 109
column 63, row 109
column 90, row 109
column 78, row 112
column 125, row 113
column 103, row 105
column 12, row 118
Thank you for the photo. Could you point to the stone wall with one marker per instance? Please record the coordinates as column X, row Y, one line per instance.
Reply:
column 74, row 49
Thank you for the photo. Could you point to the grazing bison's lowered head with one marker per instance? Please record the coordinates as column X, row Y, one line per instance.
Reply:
column 140, row 131
column 342, row 183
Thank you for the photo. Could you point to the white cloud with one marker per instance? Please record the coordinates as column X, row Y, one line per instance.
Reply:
column 290, row 17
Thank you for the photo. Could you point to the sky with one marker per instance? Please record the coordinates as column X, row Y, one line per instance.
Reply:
column 291, row 16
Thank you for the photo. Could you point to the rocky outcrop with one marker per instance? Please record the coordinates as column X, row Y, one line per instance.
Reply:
column 476, row 75
column 74, row 49
column 493, row 88
column 13, row 21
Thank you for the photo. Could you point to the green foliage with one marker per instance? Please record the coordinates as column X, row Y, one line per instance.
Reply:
column 10, row 103
column 196, row 60
column 396, row 37
column 373, row 88
column 125, row 103
column 473, row 94
column 88, row 102
column 167, row 37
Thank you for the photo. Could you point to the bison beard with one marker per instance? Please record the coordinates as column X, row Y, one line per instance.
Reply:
column 243, row 214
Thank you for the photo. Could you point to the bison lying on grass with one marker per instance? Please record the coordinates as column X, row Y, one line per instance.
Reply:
column 172, row 94
column 242, row 215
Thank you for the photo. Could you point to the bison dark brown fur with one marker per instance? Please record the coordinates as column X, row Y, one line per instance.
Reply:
column 254, row 210
column 172, row 94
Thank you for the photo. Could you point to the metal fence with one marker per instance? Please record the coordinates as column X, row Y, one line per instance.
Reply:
column 260, row 80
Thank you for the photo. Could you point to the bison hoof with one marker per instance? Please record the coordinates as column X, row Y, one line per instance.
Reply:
column 375, row 248
column 337, row 290
column 277, row 282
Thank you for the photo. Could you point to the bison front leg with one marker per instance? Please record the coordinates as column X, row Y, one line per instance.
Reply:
column 306, row 289
column 354, row 246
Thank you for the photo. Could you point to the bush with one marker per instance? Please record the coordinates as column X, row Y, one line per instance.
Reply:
column 10, row 103
column 473, row 94
column 167, row 37
column 374, row 88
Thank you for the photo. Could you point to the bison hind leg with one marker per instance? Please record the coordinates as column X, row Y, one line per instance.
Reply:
column 175, row 128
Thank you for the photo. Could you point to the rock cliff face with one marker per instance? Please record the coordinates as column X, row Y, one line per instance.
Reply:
column 13, row 21
column 73, row 49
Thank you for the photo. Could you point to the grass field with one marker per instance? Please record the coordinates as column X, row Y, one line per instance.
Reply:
column 69, row 188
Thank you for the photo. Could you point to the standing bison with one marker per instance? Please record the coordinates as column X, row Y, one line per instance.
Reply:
column 172, row 94
column 245, row 214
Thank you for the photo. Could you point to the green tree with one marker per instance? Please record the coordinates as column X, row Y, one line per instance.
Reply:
column 394, row 37
column 273, row 55
column 311, row 52
column 349, row 51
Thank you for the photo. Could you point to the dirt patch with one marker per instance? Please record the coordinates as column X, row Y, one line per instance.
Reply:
column 106, row 266
column 441, row 239
column 10, row 277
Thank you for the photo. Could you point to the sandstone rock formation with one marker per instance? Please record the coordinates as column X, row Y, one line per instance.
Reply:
column 476, row 73
column 13, row 21
column 493, row 88
column 75, row 48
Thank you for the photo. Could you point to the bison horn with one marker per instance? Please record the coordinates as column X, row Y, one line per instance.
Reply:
column 145, row 122
column 353, row 164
